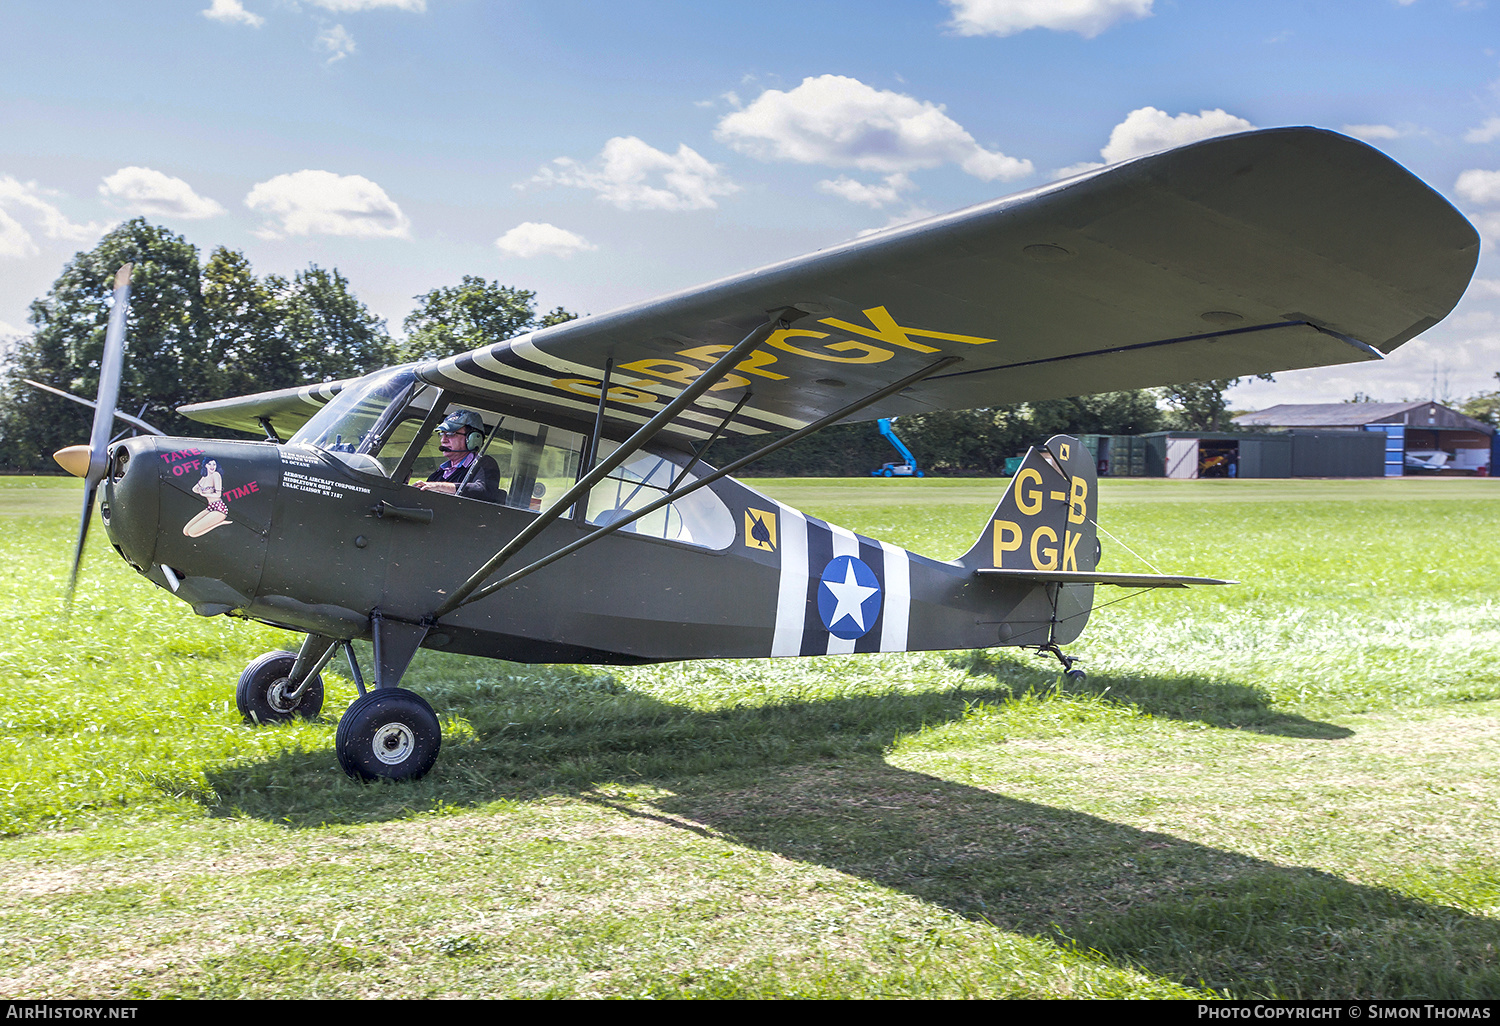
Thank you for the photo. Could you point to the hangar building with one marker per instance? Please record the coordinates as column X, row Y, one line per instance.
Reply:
column 1194, row 454
column 1420, row 437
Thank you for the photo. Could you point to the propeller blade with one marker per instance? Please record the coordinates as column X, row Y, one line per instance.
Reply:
column 110, row 366
column 83, row 533
column 109, row 375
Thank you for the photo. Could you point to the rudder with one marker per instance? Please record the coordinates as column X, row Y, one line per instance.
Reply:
column 1046, row 518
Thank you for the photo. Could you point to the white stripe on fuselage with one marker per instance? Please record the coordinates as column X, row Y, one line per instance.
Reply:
column 791, row 595
column 897, row 598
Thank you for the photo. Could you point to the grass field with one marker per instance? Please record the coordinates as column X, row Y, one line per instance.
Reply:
column 1286, row 788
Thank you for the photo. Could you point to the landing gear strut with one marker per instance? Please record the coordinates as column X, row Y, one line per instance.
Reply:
column 266, row 694
column 388, row 733
column 1070, row 671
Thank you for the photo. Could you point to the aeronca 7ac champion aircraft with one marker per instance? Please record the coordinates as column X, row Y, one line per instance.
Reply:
column 589, row 528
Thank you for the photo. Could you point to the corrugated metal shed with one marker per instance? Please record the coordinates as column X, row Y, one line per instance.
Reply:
column 1420, row 437
column 1192, row 454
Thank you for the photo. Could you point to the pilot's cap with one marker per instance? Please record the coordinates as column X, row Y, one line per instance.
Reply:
column 461, row 420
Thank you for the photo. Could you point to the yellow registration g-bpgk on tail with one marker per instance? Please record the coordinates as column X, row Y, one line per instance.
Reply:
column 547, row 498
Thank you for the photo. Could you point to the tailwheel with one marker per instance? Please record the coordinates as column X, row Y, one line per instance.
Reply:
column 265, row 693
column 388, row 734
column 1070, row 670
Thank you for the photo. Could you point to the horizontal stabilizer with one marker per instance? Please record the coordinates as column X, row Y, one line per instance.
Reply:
column 1095, row 577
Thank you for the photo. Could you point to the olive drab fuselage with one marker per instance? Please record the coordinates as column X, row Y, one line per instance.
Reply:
column 307, row 542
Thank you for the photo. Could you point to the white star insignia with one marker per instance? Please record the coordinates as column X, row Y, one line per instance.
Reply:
column 850, row 596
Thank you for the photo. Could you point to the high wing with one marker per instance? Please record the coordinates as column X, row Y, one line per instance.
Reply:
column 285, row 409
column 1264, row 251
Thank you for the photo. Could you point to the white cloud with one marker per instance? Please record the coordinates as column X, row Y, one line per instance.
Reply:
column 1372, row 131
column 26, row 198
column 337, row 42
column 1006, row 17
column 841, row 122
column 531, row 238
column 323, row 203
column 1478, row 186
column 635, row 176
column 351, row 6
column 1485, row 287
column 1147, row 130
column 876, row 196
column 232, row 12
column 1487, row 132
column 140, row 190
column 15, row 240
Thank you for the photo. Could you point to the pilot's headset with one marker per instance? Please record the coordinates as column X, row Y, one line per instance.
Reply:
column 469, row 423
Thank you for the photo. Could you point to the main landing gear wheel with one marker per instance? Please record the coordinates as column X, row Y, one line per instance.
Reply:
column 262, row 691
column 388, row 734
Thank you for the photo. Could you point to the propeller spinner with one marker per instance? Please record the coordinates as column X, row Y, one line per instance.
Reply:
column 90, row 462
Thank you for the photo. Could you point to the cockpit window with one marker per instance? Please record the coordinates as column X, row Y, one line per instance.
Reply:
column 537, row 463
column 386, row 424
column 348, row 424
column 700, row 518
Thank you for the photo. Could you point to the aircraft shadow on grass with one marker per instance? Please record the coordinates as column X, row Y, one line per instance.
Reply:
column 808, row 781
column 1195, row 699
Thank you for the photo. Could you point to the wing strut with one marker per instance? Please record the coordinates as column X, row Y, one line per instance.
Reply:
column 601, row 469
column 671, row 497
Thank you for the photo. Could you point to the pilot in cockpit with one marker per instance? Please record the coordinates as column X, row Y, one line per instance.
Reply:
column 465, row 472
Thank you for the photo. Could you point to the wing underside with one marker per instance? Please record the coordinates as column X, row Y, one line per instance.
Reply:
column 1259, row 252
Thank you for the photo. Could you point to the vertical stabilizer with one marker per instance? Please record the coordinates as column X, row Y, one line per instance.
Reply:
column 1046, row 518
column 1046, row 521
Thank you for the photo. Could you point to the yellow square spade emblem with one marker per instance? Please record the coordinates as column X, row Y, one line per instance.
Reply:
column 760, row 530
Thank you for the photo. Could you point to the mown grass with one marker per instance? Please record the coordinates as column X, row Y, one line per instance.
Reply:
column 1281, row 789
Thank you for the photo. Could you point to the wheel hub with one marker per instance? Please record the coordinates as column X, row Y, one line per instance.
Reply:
column 394, row 743
column 276, row 697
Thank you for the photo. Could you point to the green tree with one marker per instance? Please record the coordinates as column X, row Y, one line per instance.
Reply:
column 166, row 363
column 959, row 442
column 1200, row 405
column 474, row 313
column 241, row 327
column 1485, row 406
column 325, row 332
column 193, row 334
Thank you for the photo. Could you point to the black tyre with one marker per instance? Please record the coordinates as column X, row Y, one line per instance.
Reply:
column 261, row 692
column 388, row 734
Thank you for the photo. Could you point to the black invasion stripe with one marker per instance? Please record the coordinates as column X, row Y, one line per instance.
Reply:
column 819, row 551
column 698, row 419
column 873, row 556
column 513, row 389
column 748, row 421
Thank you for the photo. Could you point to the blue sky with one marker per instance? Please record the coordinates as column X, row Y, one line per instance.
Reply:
column 603, row 153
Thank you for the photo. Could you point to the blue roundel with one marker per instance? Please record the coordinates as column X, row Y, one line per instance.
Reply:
column 848, row 598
